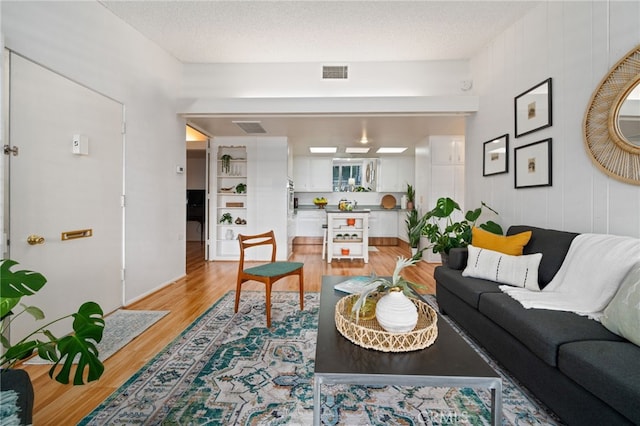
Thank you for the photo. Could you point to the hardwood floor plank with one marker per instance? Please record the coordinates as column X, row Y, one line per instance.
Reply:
column 188, row 298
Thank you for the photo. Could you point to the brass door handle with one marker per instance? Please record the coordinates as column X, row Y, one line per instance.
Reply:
column 35, row 239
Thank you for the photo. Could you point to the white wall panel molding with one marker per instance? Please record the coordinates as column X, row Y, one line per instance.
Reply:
column 574, row 43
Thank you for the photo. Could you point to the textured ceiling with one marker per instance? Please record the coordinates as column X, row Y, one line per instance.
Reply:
column 325, row 32
column 317, row 31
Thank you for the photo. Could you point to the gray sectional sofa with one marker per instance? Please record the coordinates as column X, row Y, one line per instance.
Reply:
column 584, row 373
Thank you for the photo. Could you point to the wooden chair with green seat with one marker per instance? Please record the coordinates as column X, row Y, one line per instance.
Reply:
column 267, row 273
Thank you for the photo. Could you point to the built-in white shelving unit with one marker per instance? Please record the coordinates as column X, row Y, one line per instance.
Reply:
column 231, row 199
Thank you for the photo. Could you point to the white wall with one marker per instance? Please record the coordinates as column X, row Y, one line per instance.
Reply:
column 574, row 43
column 279, row 80
column 86, row 43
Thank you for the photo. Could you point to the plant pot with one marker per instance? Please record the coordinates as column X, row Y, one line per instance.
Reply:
column 351, row 222
column 18, row 382
column 396, row 313
column 444, row 258
column 414, row 250
column 345, row 251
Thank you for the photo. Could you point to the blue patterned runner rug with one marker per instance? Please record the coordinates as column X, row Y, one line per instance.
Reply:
column 120, row 328
column 227, row 369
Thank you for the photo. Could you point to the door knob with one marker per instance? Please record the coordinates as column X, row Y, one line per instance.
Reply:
column 35, row 239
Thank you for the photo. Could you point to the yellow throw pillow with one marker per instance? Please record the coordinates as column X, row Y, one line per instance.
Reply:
column 512, row 245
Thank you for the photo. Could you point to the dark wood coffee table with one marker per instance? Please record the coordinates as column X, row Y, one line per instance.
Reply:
column 448, row 362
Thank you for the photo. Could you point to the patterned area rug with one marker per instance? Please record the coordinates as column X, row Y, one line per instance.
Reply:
column 227, row 368
column 120, row 328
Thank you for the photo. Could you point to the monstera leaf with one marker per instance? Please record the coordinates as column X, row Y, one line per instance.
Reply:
column 16, row 284
column 88, row 326
column 78, row 347
column 444, row 234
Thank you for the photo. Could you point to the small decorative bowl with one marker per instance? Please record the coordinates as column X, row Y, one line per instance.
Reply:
column 345, row 251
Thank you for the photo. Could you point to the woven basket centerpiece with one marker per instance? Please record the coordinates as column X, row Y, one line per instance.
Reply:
column 369, row 334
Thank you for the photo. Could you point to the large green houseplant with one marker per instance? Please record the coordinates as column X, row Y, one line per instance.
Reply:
column 415, row 224
column 444, row 234
column 79, row 347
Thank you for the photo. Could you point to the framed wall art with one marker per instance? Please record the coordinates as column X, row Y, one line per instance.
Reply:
column 496, row 156
column 533, row 164
column 533, row 109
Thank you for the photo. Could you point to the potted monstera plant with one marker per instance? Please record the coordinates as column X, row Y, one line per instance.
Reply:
column 78, row 347
column 444, row 233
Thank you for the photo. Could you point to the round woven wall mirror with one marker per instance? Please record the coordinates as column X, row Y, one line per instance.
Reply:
column 612, row 121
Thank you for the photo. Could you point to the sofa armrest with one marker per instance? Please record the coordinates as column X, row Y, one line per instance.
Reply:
column 458, row 258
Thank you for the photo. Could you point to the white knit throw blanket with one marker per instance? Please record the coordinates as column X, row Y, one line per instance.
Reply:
column 588, row 278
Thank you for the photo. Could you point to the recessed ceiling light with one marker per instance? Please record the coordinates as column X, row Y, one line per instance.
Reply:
column 356, row 149
column 323, row 149
column 391, row 150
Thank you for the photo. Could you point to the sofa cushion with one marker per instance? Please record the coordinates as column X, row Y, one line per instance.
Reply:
column 622, row 314
column 519, row 271
column 553, row 245
column 541, row 330
column 511, row 245
column 609, row 370
column 467, row 289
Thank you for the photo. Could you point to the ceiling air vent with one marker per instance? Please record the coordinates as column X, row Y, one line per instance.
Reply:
column 335, row 71
column 250, row 127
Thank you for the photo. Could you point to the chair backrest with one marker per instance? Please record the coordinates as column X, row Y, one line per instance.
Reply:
column 248, row 241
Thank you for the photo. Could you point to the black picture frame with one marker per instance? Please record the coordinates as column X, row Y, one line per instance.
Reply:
column 495, row 156
column 533, row 109
column 533, row 164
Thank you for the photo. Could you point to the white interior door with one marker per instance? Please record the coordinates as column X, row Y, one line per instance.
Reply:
column 53, row 191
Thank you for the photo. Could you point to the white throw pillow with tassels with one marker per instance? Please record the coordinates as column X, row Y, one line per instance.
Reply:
column 519, row 271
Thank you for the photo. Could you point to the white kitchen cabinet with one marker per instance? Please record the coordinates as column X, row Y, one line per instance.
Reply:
column 395, row 173
column 312, row 174
column 402, row 226
column 348, row 236
column 383, row 223
column 309, row 223
column 447, row 149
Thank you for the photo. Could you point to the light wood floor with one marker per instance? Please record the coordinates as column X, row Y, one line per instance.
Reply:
column 204, row 284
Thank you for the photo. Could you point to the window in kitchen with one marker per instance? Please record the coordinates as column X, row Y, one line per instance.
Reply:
column 346, row 176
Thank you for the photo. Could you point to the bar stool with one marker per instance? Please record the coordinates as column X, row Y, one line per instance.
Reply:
column 325, row 231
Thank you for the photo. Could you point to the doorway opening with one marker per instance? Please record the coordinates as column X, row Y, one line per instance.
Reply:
column 196, row 194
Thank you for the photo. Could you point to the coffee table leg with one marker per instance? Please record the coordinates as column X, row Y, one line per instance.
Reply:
column 316, row 400
column 496, row 404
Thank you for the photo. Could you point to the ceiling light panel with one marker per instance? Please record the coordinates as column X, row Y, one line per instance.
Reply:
column 323, row 149
column 391, row 150
column 356, row 150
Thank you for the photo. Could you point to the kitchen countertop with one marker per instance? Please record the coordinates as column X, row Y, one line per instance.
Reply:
column 354, row 211
column 359, row 209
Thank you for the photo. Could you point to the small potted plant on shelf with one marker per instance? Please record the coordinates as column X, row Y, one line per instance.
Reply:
column 226, row 218
column 226, row 163
column 241, row 188
column 445, row 236
column 78, row 347
column 411, row 196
